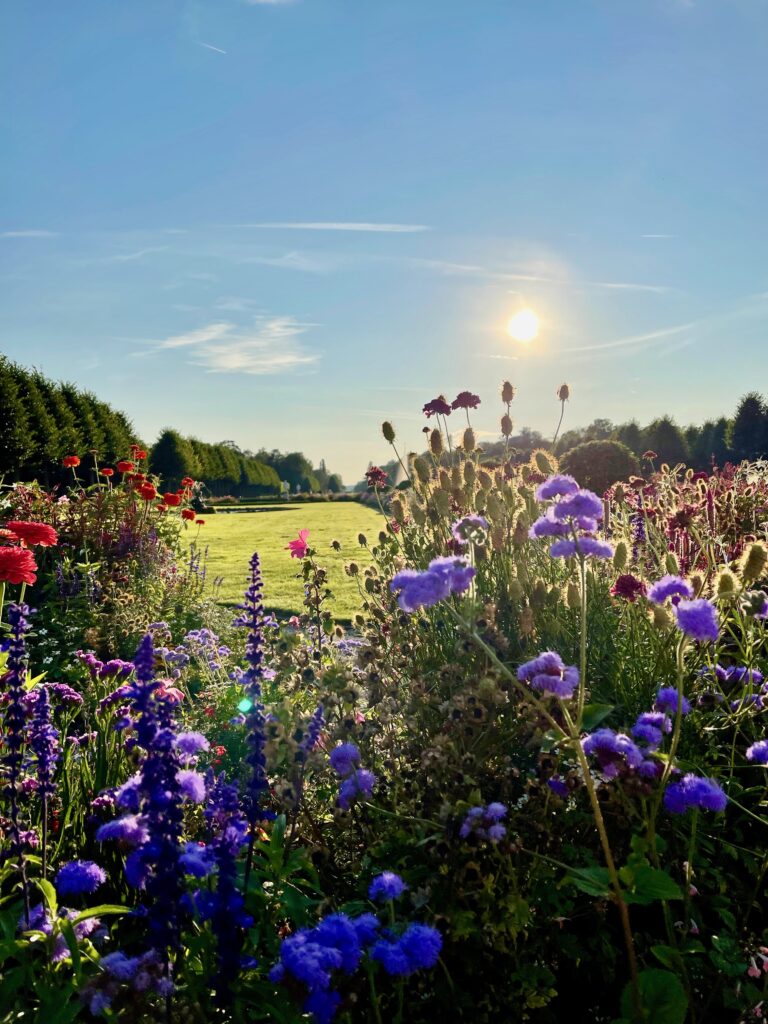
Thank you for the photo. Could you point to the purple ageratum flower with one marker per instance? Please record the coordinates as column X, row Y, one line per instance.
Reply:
column 666, row 700
column 579, row 503
column 191, row 743
column 131, row 829
column 693, row 792
column 418, row 948
column 549, row 674
column 651, row 726
column 359, row 785
column 586, row 547
column 79, row 877
column 386, row 886
column 197, row 860
column 191, row 785
column 557, row 486
column 613, row 751
column 741, row 674
column 758, row 752
column 669, row 586
column 344, row 759
column 698, row 619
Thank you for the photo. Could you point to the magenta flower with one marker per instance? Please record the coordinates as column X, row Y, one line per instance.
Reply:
column 437, row 407
column 299, row 547
column 465, row 400
column 376, row 477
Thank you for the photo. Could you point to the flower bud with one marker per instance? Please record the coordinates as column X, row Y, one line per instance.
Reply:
column 526, row 622
column 563, row 392
column 544, row 462
column 754, row 562
column 697, row 582
column 397, row 509
column 506, row 425
column 507, row 392
column 468, row 440
column 388, row 431
column 362, row 540
column 620, row 556
column 436, row 442
column 671, row 564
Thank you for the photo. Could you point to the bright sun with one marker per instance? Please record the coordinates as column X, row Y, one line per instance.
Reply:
column 524, row 326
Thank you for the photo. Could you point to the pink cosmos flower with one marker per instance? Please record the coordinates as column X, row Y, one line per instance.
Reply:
column 298, row 548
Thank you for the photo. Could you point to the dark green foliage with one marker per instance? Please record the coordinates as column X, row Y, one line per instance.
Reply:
column 749, row 431
column 335, row 486
column 15, row 443
column 173, row 458
column 664, row 437
column 598, row 464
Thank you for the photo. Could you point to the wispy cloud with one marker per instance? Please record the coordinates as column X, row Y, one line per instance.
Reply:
column 660, row 235
column 139, row 254
column 342, row 225
column 208, row 46
column 290, row 261
column 270, row 346
column 268, row 3
column 634, row 341
column 29, row 233
column 630, row 286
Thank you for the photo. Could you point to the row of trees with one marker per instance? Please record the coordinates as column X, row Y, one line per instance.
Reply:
column 41, row 422
column 223, row 468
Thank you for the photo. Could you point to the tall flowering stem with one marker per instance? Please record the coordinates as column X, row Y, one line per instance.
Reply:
column 256, row 784
column 44, row 744
column 14, row 732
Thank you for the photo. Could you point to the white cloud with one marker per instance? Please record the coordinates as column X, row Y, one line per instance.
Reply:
column 270, row 346
column 139, row 254
column 29, row 233
column 634, row 341
column 268, row 3
column 658, row 236
column 322, row 225
column 208, row 46
column 630, row 286
column 290, row 261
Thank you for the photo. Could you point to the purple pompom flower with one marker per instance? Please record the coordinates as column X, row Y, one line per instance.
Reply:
column 651, row 726
column 549, row 674
column 669, row 586
column 758, row 752
column 191, row 743
column 580, row 503
column 698, row 619
column 358, row 785
column 666, row 700
column 613, row 751
column 79, row 877
column 557, row 486
column 386, row 886
column 344, row 759
column 693, row 792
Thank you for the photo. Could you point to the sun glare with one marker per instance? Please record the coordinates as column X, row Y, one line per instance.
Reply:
column 524, row 326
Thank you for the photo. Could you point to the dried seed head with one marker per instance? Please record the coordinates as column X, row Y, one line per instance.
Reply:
column 470, row 473
column 661, row 617
column 485, row 479
column 468, row 441
column 520, row 533
column 421, row 468
column 388, row 431
column 563, row 392
column 620, row 556
column 507, row 392
column 754, row 562
column 436, row 442
column 573, row 596
column 506, row 425
column 526, row 622
column 726, row 584
column 442, row 500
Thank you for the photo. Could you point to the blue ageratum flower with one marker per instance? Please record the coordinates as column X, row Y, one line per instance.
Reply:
column 386, row 886
column 695, row 793
column 698, row 619
column 758, row 752
column 443, row 577
column 418, row 948
column 359, row 785
column 667, row 700
column 613, row 751
column 78, row 878
column 485, row 822
column 669, row 587
column 549, row 674
column 650, row 728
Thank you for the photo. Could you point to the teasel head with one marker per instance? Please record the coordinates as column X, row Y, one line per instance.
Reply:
column 573, row 596
column 481, row 497
column 620, row 556
column 470, row 473
column 563, row 393
column 498, row 537
column 397, row 509
column 485, row 479
column 507, row 392
column 445, row 479
column 726, row 584
column 697, row 582
column 442, row 502
column 539, row 595
column 421, row 468
column 456, row 477
column 388, row 431
column 494, row 507
column 526, row 622
column 506, row 425
column 436, row 442
column 671, row 564
column 516, row 591
column 661, row 617
column 468, row 441
column 754, row 562
column 520, row 532
column 418, row 514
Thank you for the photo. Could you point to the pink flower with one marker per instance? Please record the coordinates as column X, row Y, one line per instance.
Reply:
column 298, row 548
column 172, row 693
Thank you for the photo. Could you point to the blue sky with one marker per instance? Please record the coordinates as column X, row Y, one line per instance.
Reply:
column 279, row 222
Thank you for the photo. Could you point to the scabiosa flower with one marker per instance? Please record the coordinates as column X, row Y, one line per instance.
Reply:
column 550, row 674
column 470, row 529
column 758, row 752
column 628, row 587
column 437, row 407
column 375, row 477
column 669, row 587
column 548, row 526
column 613, row 751
column 78, row 878
column 698, row 619
column 579, row 503
column 558, row 486
column 666, row 700
column 694, row 792
column 465, row 400
column 444, row 576
column 359, row 784
column 344, row 759
column 418, row 948
column 586, row 547
column 651, row 726
column 386, row 886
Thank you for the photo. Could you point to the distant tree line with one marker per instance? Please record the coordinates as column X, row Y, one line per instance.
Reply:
column 42, row 421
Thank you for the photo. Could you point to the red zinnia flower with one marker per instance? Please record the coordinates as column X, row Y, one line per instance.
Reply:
column 148, row 492
column 187, row 513
column 199, row 522
column 298, row 548
column 34, row 534
column 171, row 499
column 188, row 481
column 124, row 466
column 162, row 507
column 70, row 461
column 17, row 565
column 465, row 400
column 107, row 472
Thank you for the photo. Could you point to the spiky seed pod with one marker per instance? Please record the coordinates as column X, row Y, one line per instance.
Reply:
column 468, row 441
column 486, row 480
column 506, row 425
column 726, row 585
column 526, row 622
column 445, row 480
column 421, row 468
column 618, row 493
column 520, row 533
column 388, row 431
column 436, row 442
column 362, row 540
column 494, row 507
column 563, row 392
column 573, row 596
column 442, row 500
column 433, row 515
column 697, row 582
column 507, row 392
column 480, row 499
column 470, row 473
column 620, row 556
column 382, row 537
column 754, row 562
column 418, row 514
column 481, row 553
column 352, row 569
column 553, row 597
column 661, row 617
column 397, row 509
column 523, row 575
column 544, row 462
column 671, row 564
column 516, row 591
column 498, row 537
column 539, row 595
column 456, row 477
column 509, row 495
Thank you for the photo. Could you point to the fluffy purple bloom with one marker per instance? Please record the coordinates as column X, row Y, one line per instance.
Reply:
column 418, row 948
column 580, row 503
column 444, row 576
column 612, row 750
column 558, row 787
column 548, row 526
column 698, row 619
column 586, row 547
column 79, row 877
column 496, row 811
column 549, row 674
column 359, row 784
column 694, row 792
column 758, row 752
column 470, row 528
column 666, row 700
column 485, row 822
column 669, row 586
column 386, row 886
column 191, row 785
column 131, row 829
column 197, row 860
column 741, row 674
column 557, row 486
column 191, row 743
column 651, row 726
column 344, row 759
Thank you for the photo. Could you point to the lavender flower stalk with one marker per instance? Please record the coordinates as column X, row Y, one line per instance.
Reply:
column 44, row 744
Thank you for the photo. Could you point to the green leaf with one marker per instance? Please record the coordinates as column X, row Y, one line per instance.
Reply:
column 49, row 895
column 594, row 714
column 666, row 955
column 595, row 881
column 650, row 884
column 662, row 998
column 103, row 911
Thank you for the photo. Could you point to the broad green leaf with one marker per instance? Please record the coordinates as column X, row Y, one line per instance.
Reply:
column 595, row 881
column 662, row 998
column 650, row 884
column 594, row 714
column 103, row 911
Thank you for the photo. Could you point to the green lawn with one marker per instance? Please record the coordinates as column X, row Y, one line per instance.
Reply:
column 232, row 537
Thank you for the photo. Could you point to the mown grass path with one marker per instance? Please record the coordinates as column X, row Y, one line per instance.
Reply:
column 232, row 537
